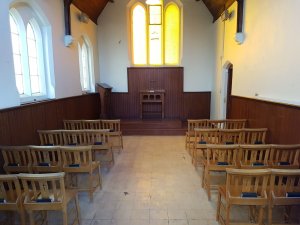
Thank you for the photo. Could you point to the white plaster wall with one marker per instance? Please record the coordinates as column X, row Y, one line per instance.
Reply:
column 198, row 46
column 266, row 65
column 65, row 60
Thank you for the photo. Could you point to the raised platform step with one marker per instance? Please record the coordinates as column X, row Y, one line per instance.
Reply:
column 153, row 127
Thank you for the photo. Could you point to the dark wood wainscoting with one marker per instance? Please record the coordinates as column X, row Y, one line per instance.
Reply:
column 18, row 125
column 178, row 104
column 283, row 121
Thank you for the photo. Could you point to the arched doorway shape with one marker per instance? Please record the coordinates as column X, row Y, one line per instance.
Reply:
column 226, row 89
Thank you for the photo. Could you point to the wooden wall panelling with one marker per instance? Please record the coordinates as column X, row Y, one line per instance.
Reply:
column 5, row 129
column 197, row 105
column 283, row 121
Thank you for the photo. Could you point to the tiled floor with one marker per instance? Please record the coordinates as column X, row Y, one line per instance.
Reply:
column 152, row 182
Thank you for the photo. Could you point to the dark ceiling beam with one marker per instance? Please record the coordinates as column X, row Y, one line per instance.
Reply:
column 67, row 4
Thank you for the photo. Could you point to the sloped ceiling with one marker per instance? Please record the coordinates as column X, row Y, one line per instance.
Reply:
column 93, row 8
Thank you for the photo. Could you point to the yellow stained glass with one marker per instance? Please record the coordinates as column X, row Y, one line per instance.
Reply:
column 172, row 34
column 139, row 40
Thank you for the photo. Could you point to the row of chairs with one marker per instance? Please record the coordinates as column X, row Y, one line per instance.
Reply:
column 33, row 193
column 228, row 136
column 73, row 160
column 114, row 127
column 217, row 124
column 218, row 158
column 98, row 139
column 259, row 189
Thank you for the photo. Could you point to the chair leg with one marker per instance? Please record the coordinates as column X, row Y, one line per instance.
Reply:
column 22, row 216
column 227, row 214
column 99, row 177
column 91, row 185
column 203, row 177
column 270, row 214
column 261, row 215
column 65, row 216
column 207, row 184
column 31, row 218
column 218, row 206
column 77, row 209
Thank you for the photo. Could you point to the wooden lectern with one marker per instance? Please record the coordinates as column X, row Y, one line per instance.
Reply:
column 152, row 103
column 104, row 91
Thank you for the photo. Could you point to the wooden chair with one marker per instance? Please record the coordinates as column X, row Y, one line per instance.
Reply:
column 285, row 156
column 73, row 125
column 91, row 124
column 190, row 134
column 284, row 191
column 235, row 124
column 17, row 159
column 11, row 197
column 78, row 160
column 254, row 136
column 115, row 133
column 230, row 136
column 254, row 156
column 202, row 137
column 46, row 159
column 101, row 145
column 243, row 187
column 46, row 192
column 50, row 137
column 217, row 159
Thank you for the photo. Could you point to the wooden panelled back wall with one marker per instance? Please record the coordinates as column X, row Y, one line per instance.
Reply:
column 283, row 121
column 19, row 125
column 178, row 105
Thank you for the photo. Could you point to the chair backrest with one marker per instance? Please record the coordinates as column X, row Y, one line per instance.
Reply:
column 111, row 125
column 285, row 182
column 73, row 125
column 230, row 136
column 235, row 124
column 216, row 124
column 10, row 190
column 43, row 188
column 91, row 124
column 254, row 156
column 76, row 155
column 254, row 136
column 17, row 159
column 206, row 136
column 241, row 182
column 74, row 137
column 198, row 123
column 285, row 156
column 46, row 158
column 97, row 137
column 222, row 154
column 51, row 137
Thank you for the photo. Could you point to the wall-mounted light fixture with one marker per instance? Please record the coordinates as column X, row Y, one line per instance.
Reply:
column 84, row 18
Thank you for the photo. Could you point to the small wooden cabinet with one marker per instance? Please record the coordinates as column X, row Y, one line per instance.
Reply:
column 152, row 103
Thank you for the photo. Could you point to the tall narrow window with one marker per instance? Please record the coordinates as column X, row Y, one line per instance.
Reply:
column 139, row 35
column 172, row 34
column 34, row 74
column 155, row 33
column 31, row 44
column 16, row 46
column 85, row 68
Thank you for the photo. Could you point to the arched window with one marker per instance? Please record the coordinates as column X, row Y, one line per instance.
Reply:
column 16, row 46
column 31, row 57
column 86, row 65
column 155, row 33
